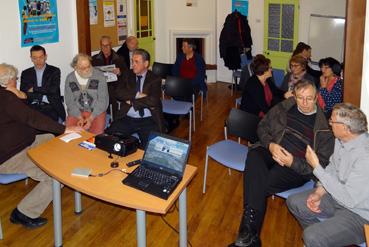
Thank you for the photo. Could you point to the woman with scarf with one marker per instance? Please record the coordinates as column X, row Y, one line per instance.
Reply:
column 298, row 65
column 331, row 85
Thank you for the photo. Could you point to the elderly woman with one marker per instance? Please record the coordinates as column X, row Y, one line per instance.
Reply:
column 86, row 96
column 305, row 51
column 298, row 65
column 330, row 91
column 260, row 92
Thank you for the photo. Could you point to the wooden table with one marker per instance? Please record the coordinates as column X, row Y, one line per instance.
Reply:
column 58, row 159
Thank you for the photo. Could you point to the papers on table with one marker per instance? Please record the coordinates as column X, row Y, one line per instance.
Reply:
column 69, row 137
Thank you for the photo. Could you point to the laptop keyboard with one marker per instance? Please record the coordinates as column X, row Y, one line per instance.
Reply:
column 155, row 177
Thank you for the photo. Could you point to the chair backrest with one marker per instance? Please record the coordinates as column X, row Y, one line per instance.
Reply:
column 178, row 87
column 278, row 75
column 242, row 124
column 162, row 69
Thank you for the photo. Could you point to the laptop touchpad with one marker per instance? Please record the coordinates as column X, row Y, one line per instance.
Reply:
column 143, row 184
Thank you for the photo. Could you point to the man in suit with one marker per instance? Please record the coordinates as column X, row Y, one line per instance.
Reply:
column 126, row 50
column 108, row 56
column 141, row 108
column 41, row 83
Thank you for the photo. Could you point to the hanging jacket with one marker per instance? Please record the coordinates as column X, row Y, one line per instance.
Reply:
column 234, row 37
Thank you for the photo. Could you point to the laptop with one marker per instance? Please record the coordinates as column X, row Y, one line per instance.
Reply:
column 162, row 166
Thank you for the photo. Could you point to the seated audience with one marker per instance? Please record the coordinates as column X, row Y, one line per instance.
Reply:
column 278, row 162
column 334, row 213
column 18, row 127
column 260, row 93
column 305, row 51
column 126, row 50
column 41, row 84
column 107, row 56
column 191, row 65
column 140, row 94
column 298, row 65
column 331, row 85
column 86, row 96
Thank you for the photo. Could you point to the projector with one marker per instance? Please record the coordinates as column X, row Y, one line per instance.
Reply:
column 116, row 144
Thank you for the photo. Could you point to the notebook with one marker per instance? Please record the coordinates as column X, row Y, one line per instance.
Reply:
column 162, row 166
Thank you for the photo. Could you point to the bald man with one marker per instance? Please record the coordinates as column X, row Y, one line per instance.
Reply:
column 126, row 50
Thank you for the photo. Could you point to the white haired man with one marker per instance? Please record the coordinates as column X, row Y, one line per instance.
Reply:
column 341, row 198
column 19, row 125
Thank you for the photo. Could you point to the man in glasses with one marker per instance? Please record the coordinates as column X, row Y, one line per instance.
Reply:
column 41, row 83
column 334, row 213
column 278, row 163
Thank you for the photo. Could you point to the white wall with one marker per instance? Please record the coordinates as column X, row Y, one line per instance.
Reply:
column 175, row 15
column 364, row 105
column 59, row 54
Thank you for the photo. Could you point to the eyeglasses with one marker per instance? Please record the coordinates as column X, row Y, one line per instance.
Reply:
column 309, row 99
column 334, row 122
column 295, row 65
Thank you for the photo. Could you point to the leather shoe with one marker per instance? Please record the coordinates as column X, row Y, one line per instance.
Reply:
column 18, row 218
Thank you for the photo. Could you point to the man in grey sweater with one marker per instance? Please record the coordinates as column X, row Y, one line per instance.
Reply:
column 334, row 213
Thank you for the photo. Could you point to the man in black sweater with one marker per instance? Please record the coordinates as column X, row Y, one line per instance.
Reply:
column 19, row 125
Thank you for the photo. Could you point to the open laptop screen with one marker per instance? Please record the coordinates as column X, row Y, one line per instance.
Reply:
column 166, row 152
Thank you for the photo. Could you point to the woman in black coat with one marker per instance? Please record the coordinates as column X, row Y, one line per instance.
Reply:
column 260, row 93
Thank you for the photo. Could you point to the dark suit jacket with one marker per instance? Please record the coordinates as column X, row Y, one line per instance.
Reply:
column 50, row 87
column 152, row 87
column 124, row 52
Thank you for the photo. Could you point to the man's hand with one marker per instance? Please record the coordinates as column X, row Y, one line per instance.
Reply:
column 288, row 94
column 280, row 155
column 314, row 199
column 311, row 157
column 140, row 95
column 17, row 92
column 30, row 90
column 88, row 122
column 116, row 71
column 72, row 129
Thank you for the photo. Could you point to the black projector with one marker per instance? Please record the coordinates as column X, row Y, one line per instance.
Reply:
column 115, row 144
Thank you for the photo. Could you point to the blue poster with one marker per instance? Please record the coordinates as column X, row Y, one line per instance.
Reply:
column 39, row 22
column 241, row 6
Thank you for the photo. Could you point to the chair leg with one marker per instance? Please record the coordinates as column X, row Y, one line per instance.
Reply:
column 205, row 171
column 189, row 126
column 1, row 231
column 194, row 111
column 202, row 102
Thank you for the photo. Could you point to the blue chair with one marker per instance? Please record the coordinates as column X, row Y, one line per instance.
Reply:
column 180, row 88
column 236, row 74
column 238, row 102
column 7, row 179
column 278, row 75
column 230, row 153
column 307, row 186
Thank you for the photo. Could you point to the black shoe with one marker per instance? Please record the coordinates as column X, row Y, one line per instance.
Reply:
column 247, row 238
column 18, row 218
column 247, row 234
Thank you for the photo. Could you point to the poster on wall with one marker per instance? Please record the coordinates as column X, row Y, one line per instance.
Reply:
column 92, row 4
column 39, row 22
column 109, row 14
column 122, row 21
column 241, row 6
